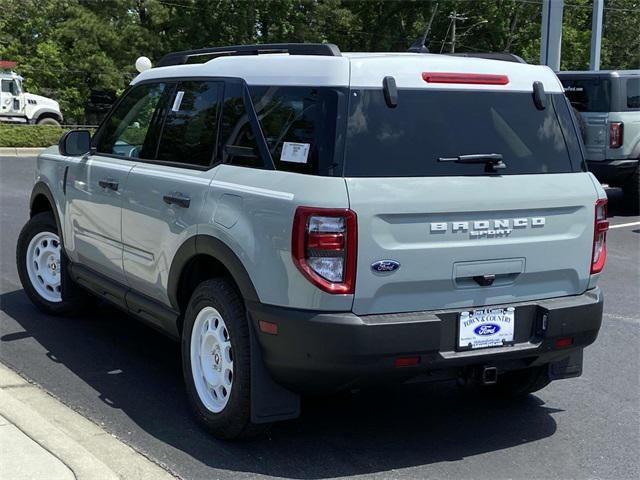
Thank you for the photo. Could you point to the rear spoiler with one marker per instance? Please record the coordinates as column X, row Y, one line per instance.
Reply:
column 502, row 56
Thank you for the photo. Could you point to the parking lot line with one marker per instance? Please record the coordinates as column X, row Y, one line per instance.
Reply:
column 620, row 225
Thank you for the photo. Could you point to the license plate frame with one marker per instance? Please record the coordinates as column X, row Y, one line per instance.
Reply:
column 483, row 328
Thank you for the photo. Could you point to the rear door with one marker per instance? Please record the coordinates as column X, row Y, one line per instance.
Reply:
column 165, row 194
column 591, row 99
column 460, row 234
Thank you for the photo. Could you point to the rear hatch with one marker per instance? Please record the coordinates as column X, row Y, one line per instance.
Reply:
column 591, row 99
column 454, row 235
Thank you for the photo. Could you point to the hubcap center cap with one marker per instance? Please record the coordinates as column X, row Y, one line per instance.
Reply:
column 217, row 358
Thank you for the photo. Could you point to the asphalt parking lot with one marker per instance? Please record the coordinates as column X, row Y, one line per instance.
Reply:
column 127, row 378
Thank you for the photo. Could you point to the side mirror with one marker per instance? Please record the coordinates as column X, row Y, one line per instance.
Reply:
column 75, row 143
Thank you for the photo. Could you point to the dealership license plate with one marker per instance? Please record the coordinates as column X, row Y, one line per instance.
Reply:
column 488, row 327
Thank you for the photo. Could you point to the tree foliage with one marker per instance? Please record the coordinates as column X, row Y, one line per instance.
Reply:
column 65, row 48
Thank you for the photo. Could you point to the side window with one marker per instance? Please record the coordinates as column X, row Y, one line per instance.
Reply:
column 633, row 93
column 9, row 86
column 190, row 127
column 237, row 140
column 127, row 131
column 299, row 124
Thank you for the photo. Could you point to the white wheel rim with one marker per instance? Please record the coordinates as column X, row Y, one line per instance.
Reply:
column 211, row 359
column 43, row 265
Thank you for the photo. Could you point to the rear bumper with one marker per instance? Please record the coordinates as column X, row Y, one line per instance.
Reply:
column 315, row 351
column 613, row 172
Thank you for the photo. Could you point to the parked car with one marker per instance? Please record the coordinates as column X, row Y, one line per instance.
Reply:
column 316, row 221
column 18, row 106
column 608, row 103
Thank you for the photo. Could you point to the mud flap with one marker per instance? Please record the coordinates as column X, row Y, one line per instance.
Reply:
column 270, row 402
column 568, row 367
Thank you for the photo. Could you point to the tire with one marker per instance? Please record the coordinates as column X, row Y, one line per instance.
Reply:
column 215, row 341
column 48, row 121
column 520, row 383
column 41, row 267
column 631, row 190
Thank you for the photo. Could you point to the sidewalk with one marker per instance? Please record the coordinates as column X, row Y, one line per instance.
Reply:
column 40, row 438
column 20, row 152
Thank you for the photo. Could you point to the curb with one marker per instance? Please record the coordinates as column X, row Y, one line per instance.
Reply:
column 20, row 152
column 87, row 450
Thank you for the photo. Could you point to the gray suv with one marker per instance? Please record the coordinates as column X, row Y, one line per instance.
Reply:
column 608, row 106
column 304, row 220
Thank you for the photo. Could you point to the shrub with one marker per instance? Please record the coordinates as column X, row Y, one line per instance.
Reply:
column 29, row 135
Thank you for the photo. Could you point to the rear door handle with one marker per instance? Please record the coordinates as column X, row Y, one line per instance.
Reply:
column 109, row 183
column 177, row 198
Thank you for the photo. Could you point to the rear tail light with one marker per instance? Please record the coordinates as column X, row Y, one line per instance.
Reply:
column 601, row 225
column 469, row 78
column 616, row 133
column 324, row 243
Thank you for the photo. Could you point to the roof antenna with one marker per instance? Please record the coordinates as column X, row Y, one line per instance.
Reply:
column 420, row 45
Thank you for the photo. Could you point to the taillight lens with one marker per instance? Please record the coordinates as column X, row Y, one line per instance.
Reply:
column 324, row 242
column 601, row 225
column 616, row 133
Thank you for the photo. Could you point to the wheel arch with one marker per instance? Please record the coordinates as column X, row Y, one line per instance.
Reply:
column 42, row 200
column 199, row 258
column 46, row 113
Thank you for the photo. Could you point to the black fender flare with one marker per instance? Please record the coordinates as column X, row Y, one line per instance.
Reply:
column 41, row 188
column 208, row 245
column 269, row 400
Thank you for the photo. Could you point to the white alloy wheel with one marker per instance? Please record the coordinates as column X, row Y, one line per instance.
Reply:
column 211, row 359
column 43, row 266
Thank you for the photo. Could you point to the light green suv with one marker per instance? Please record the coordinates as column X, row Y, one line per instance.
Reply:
column 304, row 220
column 608, row 104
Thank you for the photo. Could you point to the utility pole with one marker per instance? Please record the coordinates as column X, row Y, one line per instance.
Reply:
column 596, row 35
column 454, row 17
column 551, row 41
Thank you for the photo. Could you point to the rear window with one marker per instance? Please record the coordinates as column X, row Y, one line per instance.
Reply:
column 408, row 140
column 633, row 93
column 588, row 94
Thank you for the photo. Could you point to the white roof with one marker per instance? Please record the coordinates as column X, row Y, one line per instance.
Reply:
column 361, row 70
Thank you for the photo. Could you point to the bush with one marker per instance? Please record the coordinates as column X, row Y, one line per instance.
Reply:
column 30, row 135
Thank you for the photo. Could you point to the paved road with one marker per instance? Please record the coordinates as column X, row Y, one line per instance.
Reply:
column 127, row 378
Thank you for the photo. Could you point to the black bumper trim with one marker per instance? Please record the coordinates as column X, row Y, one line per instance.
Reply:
column 323, row 351
column 613, row 172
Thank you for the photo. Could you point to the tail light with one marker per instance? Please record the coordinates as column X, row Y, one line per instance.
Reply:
column 601, row 225
column 616, row 132
column 324, row 243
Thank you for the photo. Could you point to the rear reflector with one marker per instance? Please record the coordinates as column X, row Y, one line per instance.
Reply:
column 406, row 361
column 600, row 228
column 564, row 342
column 469, row 78
column 268, row 327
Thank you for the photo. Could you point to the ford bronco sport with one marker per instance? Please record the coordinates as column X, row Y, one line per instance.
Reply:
column 309, row 221
column 608, row 103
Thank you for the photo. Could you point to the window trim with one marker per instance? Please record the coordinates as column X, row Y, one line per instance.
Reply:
column 215, row 161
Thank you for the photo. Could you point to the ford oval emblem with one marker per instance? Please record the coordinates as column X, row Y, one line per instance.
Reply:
column 385, row 266
column 486, row 329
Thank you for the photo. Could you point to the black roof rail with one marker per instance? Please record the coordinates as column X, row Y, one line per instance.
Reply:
column 180, row 58
column 505, row 57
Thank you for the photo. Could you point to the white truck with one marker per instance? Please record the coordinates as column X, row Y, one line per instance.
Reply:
column 18, row 106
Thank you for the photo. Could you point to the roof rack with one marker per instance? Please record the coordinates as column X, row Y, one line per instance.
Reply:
column 180, row 58
column 505, row 57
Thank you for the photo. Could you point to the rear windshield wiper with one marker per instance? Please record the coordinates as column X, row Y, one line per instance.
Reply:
column 492, row 161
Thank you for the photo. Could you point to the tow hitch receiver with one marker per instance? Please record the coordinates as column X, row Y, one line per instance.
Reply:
column 489, row 375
